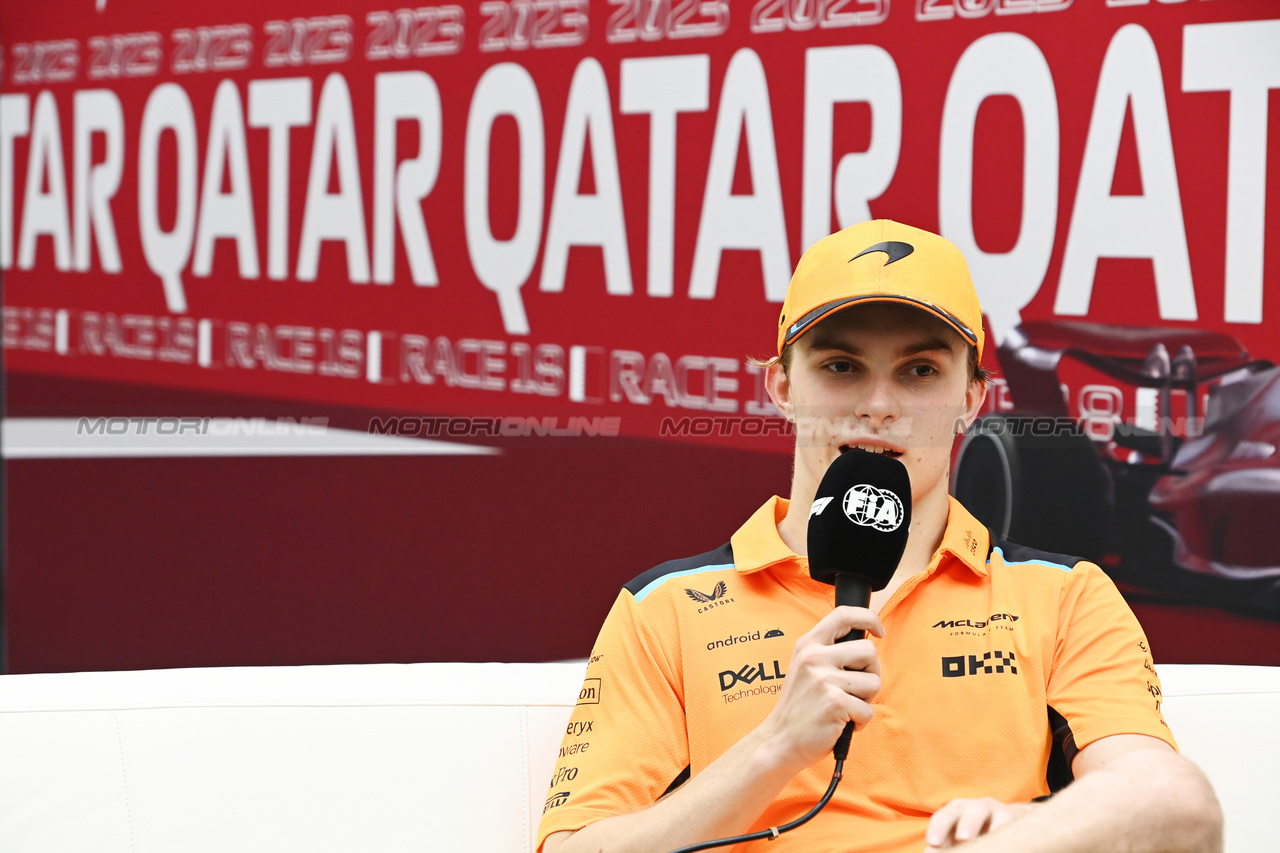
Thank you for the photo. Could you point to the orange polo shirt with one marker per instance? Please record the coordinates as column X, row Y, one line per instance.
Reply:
column 978, row 648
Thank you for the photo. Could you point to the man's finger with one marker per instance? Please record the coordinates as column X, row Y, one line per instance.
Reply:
column 973, row 820
column 844, row 619
column 854, row 655
column 865, row 685
column 942, row 823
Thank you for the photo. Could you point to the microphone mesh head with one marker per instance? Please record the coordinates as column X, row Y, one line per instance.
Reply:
column 860, row 518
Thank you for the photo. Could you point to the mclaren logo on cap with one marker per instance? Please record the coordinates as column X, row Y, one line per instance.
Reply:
column 893, row 248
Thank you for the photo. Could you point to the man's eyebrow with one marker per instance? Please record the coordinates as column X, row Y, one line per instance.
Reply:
column 929, row 345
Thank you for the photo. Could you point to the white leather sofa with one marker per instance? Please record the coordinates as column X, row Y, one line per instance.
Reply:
column 421, row 757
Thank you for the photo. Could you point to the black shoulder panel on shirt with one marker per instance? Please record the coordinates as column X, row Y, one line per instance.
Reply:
column 1058, row 774
column 678, row 781
column 720, row 556
column 1015, row 553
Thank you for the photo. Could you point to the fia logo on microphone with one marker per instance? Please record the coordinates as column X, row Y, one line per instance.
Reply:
column 873, row 507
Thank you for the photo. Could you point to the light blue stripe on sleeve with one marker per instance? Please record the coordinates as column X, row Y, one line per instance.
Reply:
column 1044, row 563
column 654, row 584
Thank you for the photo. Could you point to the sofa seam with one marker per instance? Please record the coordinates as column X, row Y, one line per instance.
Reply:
column 124, row 778
column 524, row 776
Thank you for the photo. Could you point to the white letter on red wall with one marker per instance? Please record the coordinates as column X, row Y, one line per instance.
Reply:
column 167, row 252
column 503, row 266
column 340, row 215
column 1244, row 59
column 1002, row 64
column 230, row 214
column 15, row 121
column 587, row 220
column 1141, row 226
column 45, row 212
column 97, row 111
column 752, row 221
column 842, row 75
column 662, row 87
column 404, row 96
column 279, row 105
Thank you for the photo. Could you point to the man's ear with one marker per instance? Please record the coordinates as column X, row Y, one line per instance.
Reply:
column 973, row 400
column 778, row 384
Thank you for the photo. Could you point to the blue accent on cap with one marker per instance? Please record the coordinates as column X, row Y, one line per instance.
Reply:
column 1045, row 563
column 654, row 584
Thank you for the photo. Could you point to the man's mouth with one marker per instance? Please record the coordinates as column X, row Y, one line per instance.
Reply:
column 871, row 448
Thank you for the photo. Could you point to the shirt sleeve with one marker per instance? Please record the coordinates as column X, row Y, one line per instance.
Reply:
column 626, row 741
column 1103, row 680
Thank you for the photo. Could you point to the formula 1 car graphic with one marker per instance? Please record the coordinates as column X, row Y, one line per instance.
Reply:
column 1193, row 517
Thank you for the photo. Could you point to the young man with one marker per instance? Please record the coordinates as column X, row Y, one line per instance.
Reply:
column 716, row 689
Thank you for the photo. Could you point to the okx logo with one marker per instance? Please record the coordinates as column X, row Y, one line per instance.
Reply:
column 749, row 674
column 989, row 663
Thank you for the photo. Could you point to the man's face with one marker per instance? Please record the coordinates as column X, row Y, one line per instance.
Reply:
column 883, row 377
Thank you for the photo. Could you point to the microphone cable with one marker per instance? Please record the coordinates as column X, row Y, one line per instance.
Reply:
column 840, row 751
column 774, row 831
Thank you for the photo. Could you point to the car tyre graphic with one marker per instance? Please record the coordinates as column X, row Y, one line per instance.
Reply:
column 1044, row 488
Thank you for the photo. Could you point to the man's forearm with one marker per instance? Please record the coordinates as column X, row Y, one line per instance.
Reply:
column 1144, row 801
column 722, row 800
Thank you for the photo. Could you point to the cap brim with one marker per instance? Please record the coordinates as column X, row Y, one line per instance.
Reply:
column 799, row 327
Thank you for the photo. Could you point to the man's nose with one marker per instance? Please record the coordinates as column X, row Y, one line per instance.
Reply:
column 880, row 406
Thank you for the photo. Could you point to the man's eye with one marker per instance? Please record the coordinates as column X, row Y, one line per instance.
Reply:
column 923, row 370
column 840, row 367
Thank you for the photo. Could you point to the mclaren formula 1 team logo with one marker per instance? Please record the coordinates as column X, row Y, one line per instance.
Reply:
column 895, row 249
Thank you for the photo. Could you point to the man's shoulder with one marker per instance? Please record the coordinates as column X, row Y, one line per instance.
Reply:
column 1015, row 554
column 717, row 559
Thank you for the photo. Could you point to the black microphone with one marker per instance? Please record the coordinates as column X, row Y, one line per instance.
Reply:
column 858, row 528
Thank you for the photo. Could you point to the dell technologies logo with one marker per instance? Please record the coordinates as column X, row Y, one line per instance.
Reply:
column 760, row 680
column 750, row 673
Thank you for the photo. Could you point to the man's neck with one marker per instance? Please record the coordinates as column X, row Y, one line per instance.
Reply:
column 928, row 523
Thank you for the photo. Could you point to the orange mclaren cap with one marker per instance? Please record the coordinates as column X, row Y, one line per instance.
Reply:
column 881, row 261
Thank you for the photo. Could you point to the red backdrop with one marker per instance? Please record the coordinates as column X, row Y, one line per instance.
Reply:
column 563, row 209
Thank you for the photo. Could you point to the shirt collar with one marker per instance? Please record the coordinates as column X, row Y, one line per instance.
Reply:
column 757, row 545
column 966, row 538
